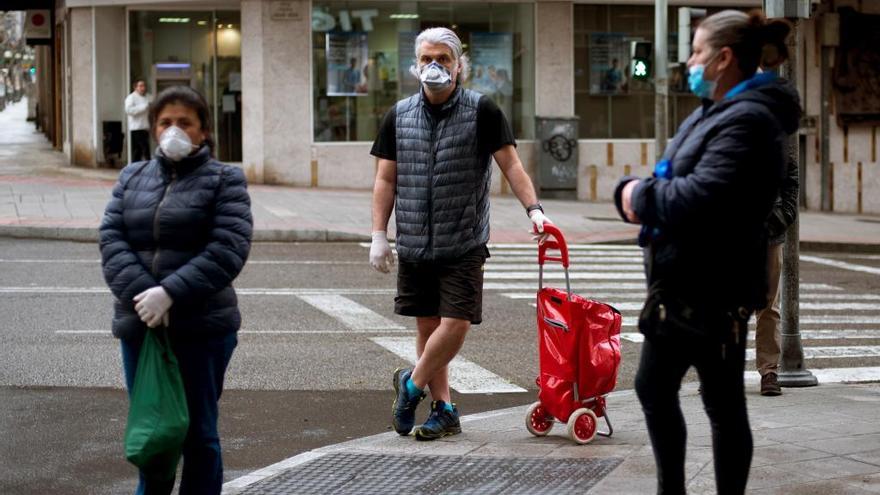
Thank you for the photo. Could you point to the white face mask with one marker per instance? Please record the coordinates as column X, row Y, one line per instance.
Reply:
column 175, row 144
column 435, row 77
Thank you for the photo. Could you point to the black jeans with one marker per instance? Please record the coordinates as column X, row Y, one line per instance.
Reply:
column 665, row 360
column 140, row 145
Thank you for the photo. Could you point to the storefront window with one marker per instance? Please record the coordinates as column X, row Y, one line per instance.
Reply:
column 363, row 51
column 201, row 49
column 608, row 101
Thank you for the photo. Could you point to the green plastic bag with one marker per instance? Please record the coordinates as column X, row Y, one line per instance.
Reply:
column 157, row 417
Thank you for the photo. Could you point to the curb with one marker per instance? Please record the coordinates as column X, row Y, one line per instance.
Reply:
column 89, row 234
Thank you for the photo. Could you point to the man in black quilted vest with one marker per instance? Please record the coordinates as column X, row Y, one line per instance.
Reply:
column 435, row 153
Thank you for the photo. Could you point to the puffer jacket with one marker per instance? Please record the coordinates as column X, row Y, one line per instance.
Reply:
column 186, row 226
column 442, row 197
column 728, row 161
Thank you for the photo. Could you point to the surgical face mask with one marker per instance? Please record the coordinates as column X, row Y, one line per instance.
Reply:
column 435, row 77
column 175, row 144
column 697, row 82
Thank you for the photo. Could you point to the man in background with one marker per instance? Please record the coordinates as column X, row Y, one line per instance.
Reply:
column 137, row 105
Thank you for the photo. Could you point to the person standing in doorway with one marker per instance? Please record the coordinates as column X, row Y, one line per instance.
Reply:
column 704, row 215
column 434, row 152
column 176, row 233
column 137, row 106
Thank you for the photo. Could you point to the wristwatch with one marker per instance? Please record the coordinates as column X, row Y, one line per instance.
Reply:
column 536, row 206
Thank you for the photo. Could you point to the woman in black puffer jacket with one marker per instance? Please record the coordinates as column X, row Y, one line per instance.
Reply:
column 174, row 236
column 703, row 215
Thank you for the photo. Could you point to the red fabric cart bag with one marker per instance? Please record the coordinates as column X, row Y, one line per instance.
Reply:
column 578, row 342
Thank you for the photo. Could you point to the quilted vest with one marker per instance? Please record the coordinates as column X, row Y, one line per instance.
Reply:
column 442, row 198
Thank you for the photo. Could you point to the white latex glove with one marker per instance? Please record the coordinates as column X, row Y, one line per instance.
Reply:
column 538, row 219
column 381, row 256
column 152, row 305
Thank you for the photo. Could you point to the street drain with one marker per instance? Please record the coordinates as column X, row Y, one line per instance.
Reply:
column 369, row 474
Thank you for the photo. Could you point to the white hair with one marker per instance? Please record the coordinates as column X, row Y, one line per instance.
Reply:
column 442, row 36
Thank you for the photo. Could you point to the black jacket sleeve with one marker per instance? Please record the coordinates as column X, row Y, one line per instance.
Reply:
column 786, row 208
column 706, row 192
column 124, row 272
column 227, row 250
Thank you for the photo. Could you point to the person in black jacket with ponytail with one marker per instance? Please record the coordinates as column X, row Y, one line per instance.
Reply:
column 174, row 236
column 704, row 216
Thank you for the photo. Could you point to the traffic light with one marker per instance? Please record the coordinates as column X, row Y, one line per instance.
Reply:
column 641, row 52
column 33, row 71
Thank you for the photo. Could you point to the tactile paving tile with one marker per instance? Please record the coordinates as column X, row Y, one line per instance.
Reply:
column 368, row 474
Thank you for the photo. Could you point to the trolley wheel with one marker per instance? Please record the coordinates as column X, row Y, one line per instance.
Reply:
column 582, row 426
column 538, row 421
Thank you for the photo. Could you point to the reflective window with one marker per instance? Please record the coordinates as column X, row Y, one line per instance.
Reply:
column 362, row 53
column 610, row 103
column 201, row 49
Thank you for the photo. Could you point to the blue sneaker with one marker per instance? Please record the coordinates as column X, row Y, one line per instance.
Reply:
column 403, row 411
column 441, row 423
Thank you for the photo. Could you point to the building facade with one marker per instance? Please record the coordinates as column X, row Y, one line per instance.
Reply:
column 298, row 88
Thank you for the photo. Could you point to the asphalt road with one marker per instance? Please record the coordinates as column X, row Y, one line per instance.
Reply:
column 315, row 355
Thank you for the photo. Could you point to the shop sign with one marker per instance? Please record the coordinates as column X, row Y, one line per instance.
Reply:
column 284, row 11
column 325, row 21
column 37, row 26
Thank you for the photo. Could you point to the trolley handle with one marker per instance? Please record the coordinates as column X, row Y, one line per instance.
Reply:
column 556, row 241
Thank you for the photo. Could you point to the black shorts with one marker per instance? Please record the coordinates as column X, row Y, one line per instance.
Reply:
column 448, row 289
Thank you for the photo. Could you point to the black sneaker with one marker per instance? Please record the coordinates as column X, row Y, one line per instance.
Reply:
column 770, row 385
column 403, row 411
column 441, row 423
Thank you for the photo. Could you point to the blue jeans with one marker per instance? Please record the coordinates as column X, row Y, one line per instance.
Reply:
column 203, row 364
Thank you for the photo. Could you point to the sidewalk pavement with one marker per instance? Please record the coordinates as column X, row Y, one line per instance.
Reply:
column 824, row 439
column 41, row 196
column 821, row 440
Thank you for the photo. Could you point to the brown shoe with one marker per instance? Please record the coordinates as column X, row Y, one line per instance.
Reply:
column 770, row 385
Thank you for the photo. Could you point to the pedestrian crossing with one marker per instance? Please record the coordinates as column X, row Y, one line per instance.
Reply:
column 840, row 330
column 827, row 312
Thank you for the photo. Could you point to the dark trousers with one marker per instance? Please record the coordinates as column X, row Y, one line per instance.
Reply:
column 203, row 364
column 664, row 362
column 140, row 145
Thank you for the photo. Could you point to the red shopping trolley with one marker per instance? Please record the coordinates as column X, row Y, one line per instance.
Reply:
column 579, row 354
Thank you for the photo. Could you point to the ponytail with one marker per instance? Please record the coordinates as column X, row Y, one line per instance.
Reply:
column 754, row 40
column 774, row 32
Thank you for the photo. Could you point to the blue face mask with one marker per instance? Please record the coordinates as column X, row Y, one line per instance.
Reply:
column 698, row 83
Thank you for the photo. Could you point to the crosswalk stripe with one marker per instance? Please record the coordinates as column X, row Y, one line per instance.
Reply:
column 841, row 264
column 348, row 331
column 627, row 306
column 832, row 352
column 350, row 313
column 639, row 288
column 610, row 297
column 845, row 334
column 632, row 321
column 553, row 268
column 532, row 254
column 465, row 376
column 561, row 276
column 571, row 247
column 575, row 260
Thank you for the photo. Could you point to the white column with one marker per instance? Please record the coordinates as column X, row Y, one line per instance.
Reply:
column 554, row 59
column 82, row 90
column 276, row 93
